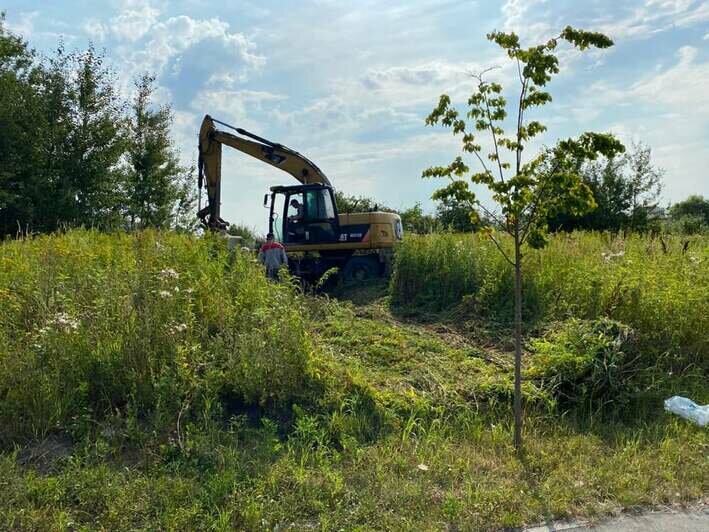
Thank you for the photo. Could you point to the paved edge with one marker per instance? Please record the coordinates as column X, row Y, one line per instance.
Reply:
column 687, row 519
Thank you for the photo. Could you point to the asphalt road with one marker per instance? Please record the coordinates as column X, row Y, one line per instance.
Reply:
column 680, row 521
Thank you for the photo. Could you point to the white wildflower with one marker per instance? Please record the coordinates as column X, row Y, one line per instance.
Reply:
column 164, row 294
column 610, row 256
column 61, row 321
column 168, row 273
column 422, row 467
column 178, row 328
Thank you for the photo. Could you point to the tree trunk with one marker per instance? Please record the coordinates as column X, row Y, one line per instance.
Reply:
column 518, row 341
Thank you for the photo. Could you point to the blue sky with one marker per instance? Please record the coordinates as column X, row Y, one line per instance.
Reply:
column 350, row 83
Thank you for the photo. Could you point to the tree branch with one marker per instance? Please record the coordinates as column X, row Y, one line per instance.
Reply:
column 534, row 205
column 494, row 137
column 499, row 248
column 491, row 214
column 482, row 162
column 520, row 118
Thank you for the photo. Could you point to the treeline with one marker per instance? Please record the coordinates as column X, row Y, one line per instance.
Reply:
column 75, row 152
column 626, row 190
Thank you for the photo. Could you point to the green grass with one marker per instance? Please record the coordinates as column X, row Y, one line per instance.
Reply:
column 269, row 408
column 656, row 287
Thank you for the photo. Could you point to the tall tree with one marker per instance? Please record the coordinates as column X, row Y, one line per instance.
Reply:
column 158, row 187
column 527, row 193
column 21, row 133
column 645, row 187
column 456, row 216
column 90, row 176
column 691, row 215
column 695, row 205
column 626, row 190
column 414, row 220
column 349, row 203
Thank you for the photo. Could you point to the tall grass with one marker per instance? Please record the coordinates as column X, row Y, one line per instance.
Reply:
column 660, row 288
column 154, row 326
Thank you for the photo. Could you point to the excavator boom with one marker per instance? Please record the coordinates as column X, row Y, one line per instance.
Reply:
column 211, row 140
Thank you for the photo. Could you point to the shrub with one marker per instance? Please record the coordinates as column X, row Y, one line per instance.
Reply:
column 588, row 363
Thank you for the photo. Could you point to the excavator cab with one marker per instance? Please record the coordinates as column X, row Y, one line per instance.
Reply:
column 304, row 214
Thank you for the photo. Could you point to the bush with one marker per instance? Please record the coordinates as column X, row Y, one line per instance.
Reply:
column 153, row 326
column 586, row 363
column 687, row 225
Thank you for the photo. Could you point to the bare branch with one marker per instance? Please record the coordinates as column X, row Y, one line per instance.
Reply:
column 520, row 118
column 491, row 214
column 499, row 248
column 494, row 137
column 482, row 162
column 479, row 75
column 534, row 205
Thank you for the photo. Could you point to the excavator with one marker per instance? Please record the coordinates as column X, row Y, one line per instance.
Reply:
column 304, row 218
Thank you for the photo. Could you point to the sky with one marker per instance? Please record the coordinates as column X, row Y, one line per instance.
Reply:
column 349, row 83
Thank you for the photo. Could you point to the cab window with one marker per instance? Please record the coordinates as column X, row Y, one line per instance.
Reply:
column 319, row 205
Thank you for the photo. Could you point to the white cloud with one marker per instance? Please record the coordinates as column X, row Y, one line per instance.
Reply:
column 95, row 29
column 681, row 87
column 24, row 24
column 676, row 93
column 233, row 106
column 519, row 16
column 408, row 85
column 133, row 23
column 656, row 16
column 668, row 110
column 172, row 37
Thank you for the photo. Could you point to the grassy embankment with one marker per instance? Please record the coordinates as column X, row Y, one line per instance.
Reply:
column 155, row 381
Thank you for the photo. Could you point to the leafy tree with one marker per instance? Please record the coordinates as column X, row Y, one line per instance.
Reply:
column 694, row 205
column 158, row 188
column 347, row 203
column 89, row 180
column 21, row 133
column 456, row 216
column 645, row 187
column 625, row 189
column 185, row 206
column 414, row 220
column 527, row 193
column 691, row 215
column 69, row 155
column 249, row 234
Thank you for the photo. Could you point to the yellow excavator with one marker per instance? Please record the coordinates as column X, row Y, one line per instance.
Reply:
column 304, row 217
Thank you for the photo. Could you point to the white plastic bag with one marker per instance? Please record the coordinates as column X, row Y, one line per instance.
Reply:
column 688, row 409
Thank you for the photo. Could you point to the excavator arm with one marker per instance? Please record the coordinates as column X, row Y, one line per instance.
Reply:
column 209, row 163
